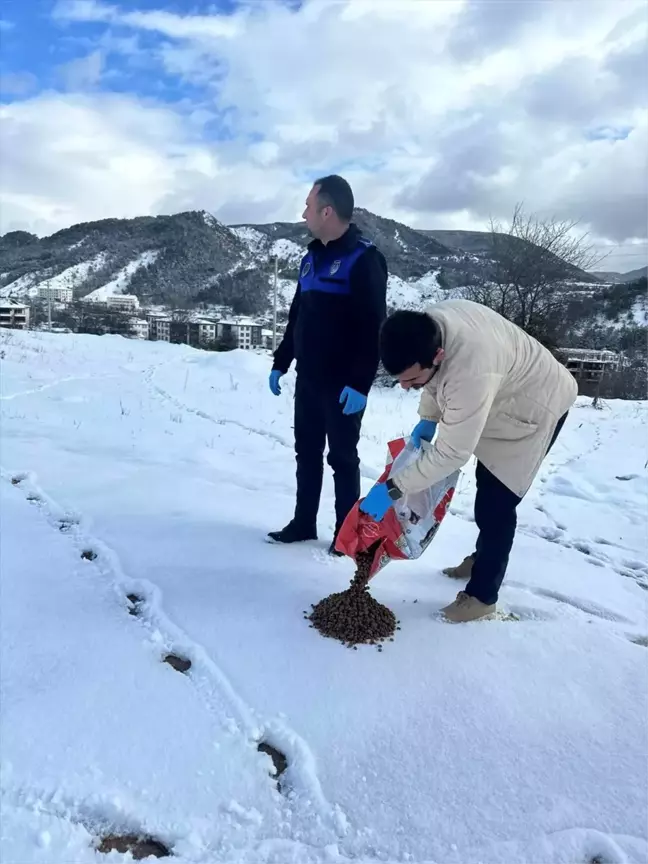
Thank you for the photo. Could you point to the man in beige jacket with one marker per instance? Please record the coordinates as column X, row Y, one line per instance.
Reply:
column 494, row 392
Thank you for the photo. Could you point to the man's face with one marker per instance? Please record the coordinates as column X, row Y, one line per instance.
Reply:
column 314, row 214
column 416, row 377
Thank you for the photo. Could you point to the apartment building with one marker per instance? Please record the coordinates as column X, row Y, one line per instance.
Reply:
column 587, row 365
column 245, row 332
column 159, row 328
column 123, row 302
column 207, row 332
column 57, row 294
column 14, row 315
column 140, row 328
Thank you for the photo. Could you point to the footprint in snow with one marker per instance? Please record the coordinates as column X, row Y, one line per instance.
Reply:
column 136, row 602
column 279, row 761
column 180, row 664
column 139, row 847
column 582, row 605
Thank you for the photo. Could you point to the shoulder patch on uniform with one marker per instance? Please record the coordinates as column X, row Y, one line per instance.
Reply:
column 306, row 269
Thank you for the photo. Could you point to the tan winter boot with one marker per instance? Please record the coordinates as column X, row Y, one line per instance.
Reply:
column 463, row 571
column 466, row 608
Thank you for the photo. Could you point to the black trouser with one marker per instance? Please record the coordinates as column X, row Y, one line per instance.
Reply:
column 318, row 417
column 496, row 518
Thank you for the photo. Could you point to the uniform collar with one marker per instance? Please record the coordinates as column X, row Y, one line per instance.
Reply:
column 344, row 243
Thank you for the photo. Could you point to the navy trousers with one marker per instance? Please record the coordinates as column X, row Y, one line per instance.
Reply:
column 496, row 518
column 318, row 419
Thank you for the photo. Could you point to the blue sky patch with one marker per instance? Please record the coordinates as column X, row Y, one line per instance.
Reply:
column 44, row 51
column 608, row 133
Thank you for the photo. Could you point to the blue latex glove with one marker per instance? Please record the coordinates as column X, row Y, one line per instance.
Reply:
column 423, row 431
column 377, row 502
column 275, row 375
column 352, row 401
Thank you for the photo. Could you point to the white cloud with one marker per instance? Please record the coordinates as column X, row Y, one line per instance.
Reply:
column 83, row 73
column 75, row 158
column 199, row 27
column 440, row 113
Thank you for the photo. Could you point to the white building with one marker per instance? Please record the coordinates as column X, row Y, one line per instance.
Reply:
column 57, row 294
column 123, row 302
column 14, row 315
column 159, row 328
column 140, row 328
column 207, row 332
column 246, row 332
column 266, row 339
column 587, row 364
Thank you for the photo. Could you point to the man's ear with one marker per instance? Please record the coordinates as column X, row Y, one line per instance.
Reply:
column 438, row 357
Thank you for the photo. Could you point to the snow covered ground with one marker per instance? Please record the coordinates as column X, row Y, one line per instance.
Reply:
column 71, row 277
column 121, row 280
column 155, row 470
column 264, row 248
column 19, row 287
column 414, row 294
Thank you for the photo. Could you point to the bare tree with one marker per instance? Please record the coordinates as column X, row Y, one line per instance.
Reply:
column 531, row 262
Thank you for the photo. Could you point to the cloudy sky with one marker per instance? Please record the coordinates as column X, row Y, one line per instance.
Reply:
column 441, row 114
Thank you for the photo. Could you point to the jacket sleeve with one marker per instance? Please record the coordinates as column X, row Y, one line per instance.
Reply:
column 368, row 283
column 428, row 408
column 285, row 353
column 462, row 423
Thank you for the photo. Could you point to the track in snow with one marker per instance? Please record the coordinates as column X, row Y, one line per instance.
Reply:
column 298, row 780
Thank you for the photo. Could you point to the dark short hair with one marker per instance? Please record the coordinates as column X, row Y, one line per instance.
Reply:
column 407, row 338
column 335, row 192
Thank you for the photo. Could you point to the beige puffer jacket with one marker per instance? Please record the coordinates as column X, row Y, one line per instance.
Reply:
column 498, row 394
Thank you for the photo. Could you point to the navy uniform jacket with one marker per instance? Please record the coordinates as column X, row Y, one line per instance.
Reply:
column 336, row 314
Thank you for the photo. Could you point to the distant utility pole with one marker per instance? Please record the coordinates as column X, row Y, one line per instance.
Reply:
column 274, row 308
column 49, row 310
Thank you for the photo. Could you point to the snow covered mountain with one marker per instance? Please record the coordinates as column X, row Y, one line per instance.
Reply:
column 615, row 278
column 191, row 257
column 138, row 482
column 162, row 259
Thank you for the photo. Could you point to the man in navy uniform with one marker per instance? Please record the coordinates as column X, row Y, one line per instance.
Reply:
column 332, row 333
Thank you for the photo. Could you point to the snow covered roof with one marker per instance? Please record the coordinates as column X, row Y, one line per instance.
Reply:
column 240, row 322
column 13, row 304
column 590, row 354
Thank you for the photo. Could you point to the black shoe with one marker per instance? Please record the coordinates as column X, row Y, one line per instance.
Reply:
column 334, row 552
column 293, row 533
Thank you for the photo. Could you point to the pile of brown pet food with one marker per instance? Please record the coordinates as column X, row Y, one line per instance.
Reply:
column 354, row 616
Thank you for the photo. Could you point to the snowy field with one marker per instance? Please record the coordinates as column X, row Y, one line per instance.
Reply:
column 156, row 470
